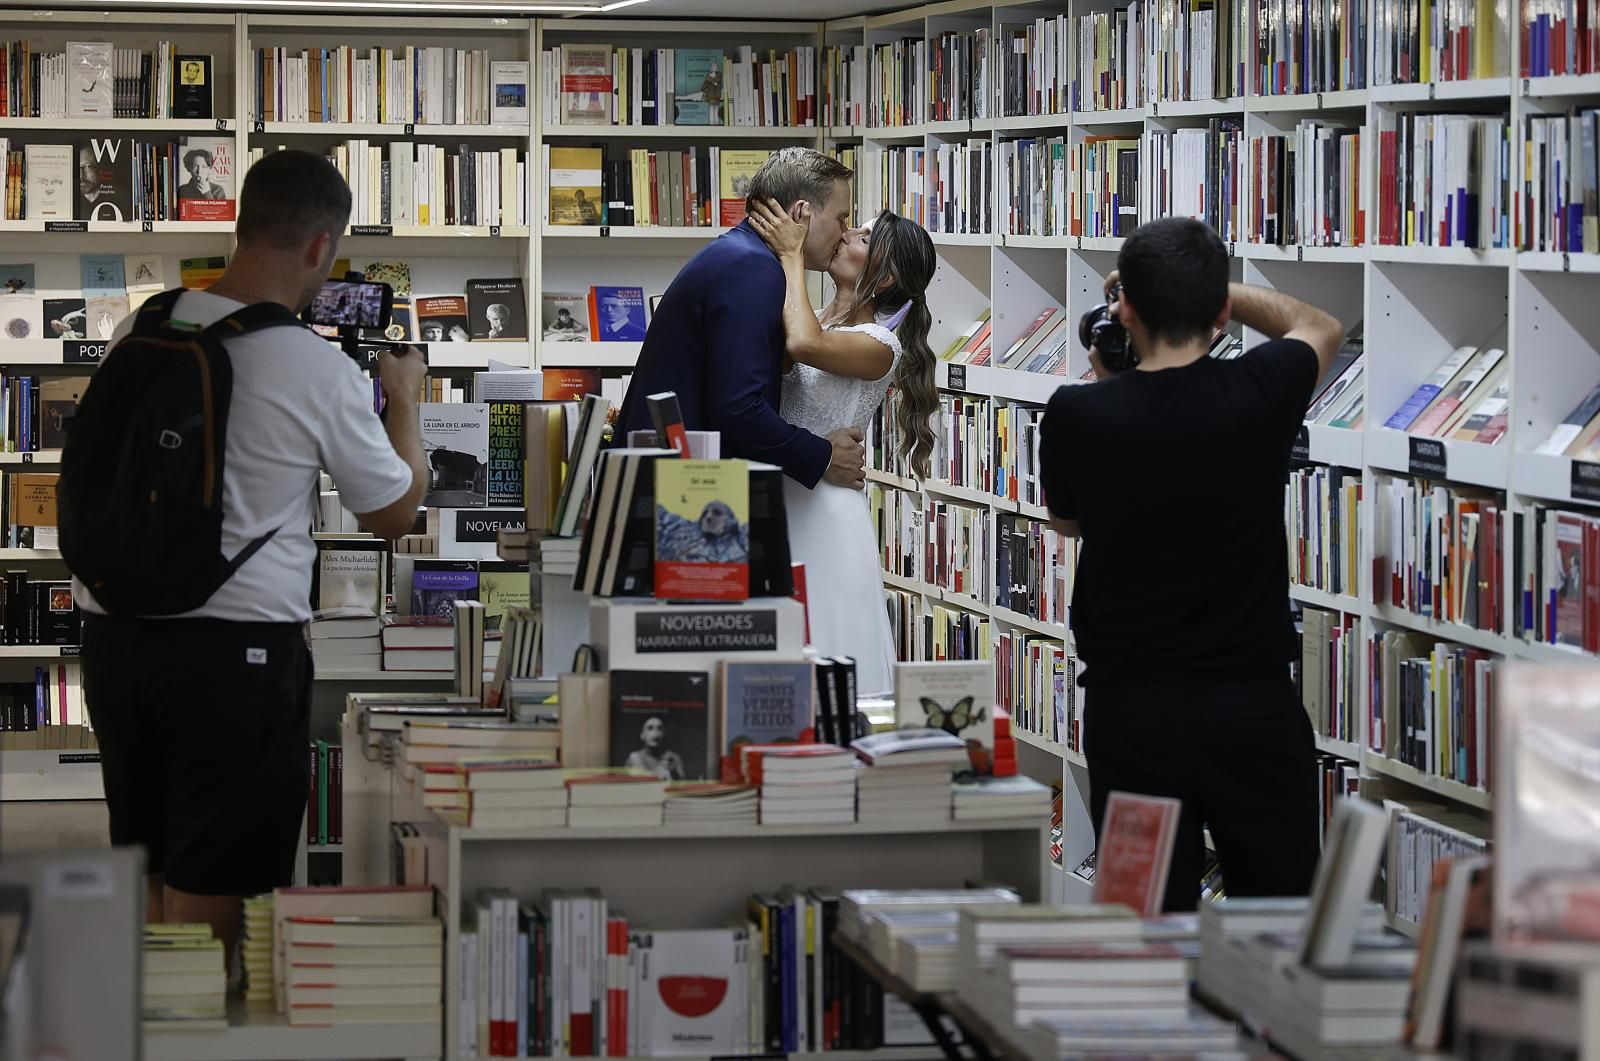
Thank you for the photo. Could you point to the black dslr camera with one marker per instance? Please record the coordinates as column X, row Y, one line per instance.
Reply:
column 1103, row 330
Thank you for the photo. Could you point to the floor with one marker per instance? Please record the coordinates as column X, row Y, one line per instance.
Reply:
column 34, row 826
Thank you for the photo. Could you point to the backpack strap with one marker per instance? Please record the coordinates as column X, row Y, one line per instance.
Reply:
column 254, row 318
column 156, row 312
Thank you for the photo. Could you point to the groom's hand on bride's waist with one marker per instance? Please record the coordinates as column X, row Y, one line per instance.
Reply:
column 849, row 464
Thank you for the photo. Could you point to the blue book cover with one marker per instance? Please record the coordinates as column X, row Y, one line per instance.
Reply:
column 791, row 1039
column 102, row 274
column 618, row 314
column 697, row 86
column 766, row 702
column 437, row 584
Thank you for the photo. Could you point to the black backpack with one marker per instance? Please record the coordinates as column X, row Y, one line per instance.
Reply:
column 140, row 498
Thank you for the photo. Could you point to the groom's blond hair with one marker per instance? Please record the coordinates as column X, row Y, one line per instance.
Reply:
column 794, row 173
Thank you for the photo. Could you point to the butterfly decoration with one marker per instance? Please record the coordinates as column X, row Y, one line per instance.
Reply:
column 954, row 719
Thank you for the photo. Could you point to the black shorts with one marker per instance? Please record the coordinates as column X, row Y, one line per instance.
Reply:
column 203, row 727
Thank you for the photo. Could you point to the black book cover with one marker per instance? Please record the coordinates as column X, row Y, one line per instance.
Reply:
column 844, row 670
column 660, row 722
column 497, row 310
column 771, row 569
column 774, row 1001
column 828, row 704
column 16, row 607
column 104, row 180
column 633, row 545
column 603, row 518
column 191, row 95
column 55, row 617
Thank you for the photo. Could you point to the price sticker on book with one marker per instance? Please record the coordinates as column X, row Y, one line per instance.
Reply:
column 1585, row 481
column 1428, row 458
column 1301, row 450
column 957, row 378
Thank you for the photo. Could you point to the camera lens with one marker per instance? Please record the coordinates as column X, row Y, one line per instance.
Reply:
column 1087, row 324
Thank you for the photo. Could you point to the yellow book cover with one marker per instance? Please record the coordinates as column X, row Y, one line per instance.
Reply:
column 702, row 530
column 575, row 185
column 738, row 167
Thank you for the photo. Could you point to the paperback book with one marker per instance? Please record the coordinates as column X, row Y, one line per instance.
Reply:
column 443, row 319
column 104, row 180
column 564, row 318
column 456, row 438
column 207, row 191
column 765, row 702
column 437, row 584
column 496, row 310
column 660, row 723
column 575, row 185
column 702, row 530
column 616, row 314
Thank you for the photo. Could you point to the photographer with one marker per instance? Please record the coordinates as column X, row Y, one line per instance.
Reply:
column 1172, row 473
column 202, row 719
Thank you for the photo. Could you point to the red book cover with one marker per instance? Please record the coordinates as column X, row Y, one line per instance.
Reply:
column 616, row 988
column 205, row 209
column 798, row 572
column 702, row 530
column 1135, row 850
column 570, row 384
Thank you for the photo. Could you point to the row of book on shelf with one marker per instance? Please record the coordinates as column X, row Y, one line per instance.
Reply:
column 391, row 86
column 325, row 795
column 584, row 84
column 190, row 178
column 110, row 82
column 691, row 187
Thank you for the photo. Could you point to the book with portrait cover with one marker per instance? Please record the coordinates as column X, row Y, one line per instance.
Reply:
column 497, row 310
column 443, row 319
column 455, row 436
column 437, row 584
column 702, row 530
column 763, row 702
column 206, row 191
column 104, row 180
column 191, row 96
column 585, row 86
column 575, row 185
column 351, row 573
column 564, row 318
column 616, row 314
column 660, row 722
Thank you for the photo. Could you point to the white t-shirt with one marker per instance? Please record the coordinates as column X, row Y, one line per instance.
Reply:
column 299, row 405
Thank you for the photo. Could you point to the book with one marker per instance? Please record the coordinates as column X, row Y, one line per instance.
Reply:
column 435, row 587
column 585, row 87
column 397, row 274
column 90, row 89
column 351, row 573
column 1136, row 841
column 564, row 318
column 616, row 314
column 17, row 279
column 1350, row 856
column 201, row 273
column 580, row 463
column 667, row 417
column 690, row 984
column 208, row 190
column 570, row 384
column 575, row 185
column 660, row 723
column 1457, row 885
column 697, row 86
column 51, row 190
column 502, row 584
column 102, row 314
column 1430, row 388
column 702, row 530
column 956, row 696
column 910, row 747
column 737, row 167
column 192, row 92
column 763, row 702
column 58, row 403
column 508, row 93
column 505, row 469
column 104, row 180
column 443, row 319
column 65, row 318
column 497, row 310
column 456, row 438
column 19, row 316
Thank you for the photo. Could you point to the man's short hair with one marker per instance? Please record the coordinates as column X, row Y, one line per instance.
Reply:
column 1175, row 271
column 795, row 173
column 290, row 197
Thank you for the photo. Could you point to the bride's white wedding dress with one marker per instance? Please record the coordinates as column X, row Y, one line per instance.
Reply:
column 830, row 527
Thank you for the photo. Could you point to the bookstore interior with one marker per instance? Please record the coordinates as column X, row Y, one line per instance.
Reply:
column 585, row 777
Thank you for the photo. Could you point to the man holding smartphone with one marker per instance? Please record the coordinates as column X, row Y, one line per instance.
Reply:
column 1171, row 473
column 203, row 719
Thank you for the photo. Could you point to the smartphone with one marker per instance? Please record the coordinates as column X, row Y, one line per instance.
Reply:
column 352, row 303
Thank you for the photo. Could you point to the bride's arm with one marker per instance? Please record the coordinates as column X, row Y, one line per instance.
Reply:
column 852, row 354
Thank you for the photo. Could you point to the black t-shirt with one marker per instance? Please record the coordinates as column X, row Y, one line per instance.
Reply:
column 1176, row 480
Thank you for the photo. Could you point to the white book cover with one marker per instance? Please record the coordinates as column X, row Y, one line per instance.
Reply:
column 509, row 104
column 956, row 696
column 688, row 1002
column 90, row 78
column 50, row 181
column 455, row 437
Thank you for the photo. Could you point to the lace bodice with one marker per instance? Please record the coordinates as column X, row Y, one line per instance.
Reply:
column 821, row 402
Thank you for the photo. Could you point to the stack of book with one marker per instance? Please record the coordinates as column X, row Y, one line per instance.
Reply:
column 1195, row 1033
column 858, row 906
column 419, row 643
column 1363, row 1003
column 885, row 929
column 983, row 930
column 906, row 777
column 255, row 947
column 802, row 784
column 1229, row 928
column 1132, row 981
column 559, row 556
column 346, row 639
column 450, row 741
column 606, row 798
column 364, row 970
column 496, row 792
column 711, row 803
column 927, row 960
column 988, row 798
column 185, row 984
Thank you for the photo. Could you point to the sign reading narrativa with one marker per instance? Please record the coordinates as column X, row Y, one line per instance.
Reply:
column 741, row 630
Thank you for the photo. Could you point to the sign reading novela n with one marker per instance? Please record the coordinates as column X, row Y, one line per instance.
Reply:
column 730, row 630
column 483, row 524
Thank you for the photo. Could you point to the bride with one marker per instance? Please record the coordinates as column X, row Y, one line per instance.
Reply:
column 873, row 334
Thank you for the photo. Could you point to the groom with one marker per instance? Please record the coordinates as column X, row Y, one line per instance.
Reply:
column 717, row 335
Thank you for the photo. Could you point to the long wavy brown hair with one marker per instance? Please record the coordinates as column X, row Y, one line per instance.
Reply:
column 900, row 265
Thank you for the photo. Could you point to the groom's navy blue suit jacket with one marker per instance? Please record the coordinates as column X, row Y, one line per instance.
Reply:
column 717, row 340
